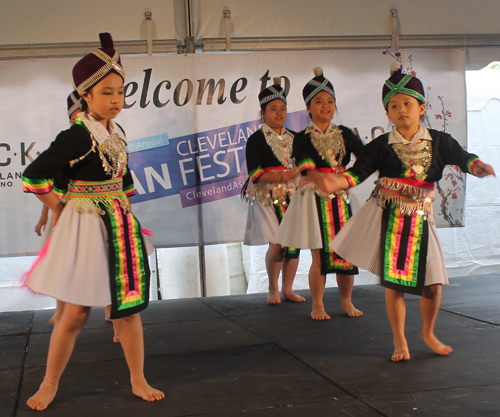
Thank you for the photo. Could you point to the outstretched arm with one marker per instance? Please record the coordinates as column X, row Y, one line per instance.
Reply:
column 480, row 169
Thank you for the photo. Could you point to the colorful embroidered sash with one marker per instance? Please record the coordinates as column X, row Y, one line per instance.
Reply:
column 405, row 232
column 128, row 261
column 91, row 194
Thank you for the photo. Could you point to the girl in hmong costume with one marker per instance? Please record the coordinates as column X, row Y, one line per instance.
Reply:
column 96, row 255
column 272, row 180
column 394, row 234
column 314, row 217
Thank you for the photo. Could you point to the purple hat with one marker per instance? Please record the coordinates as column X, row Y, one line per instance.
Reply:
column 317, row 84
column 400, row 83
column 272, row 93
column 94, row 66
column 74, row 102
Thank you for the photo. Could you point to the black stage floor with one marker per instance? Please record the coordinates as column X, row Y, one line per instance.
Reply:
column 236, row 356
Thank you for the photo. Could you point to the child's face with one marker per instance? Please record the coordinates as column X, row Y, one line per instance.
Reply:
column 404, row 112
column 106, row 98
column 275, row 114
column 322, row 107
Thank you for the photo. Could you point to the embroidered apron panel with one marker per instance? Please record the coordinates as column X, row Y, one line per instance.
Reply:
column 128, row 262
column 405, row 242
column 333, row 215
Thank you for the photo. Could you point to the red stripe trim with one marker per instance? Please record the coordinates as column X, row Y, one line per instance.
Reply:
column 420, row 184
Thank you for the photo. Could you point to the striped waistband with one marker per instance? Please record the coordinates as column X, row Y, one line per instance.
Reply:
column 96, row 189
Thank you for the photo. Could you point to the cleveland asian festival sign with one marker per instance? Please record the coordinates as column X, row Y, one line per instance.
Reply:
column 187, row 121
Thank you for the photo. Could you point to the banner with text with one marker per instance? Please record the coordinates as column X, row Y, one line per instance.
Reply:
column 187, row 120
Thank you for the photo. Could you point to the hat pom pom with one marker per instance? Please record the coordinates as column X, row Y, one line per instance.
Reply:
column 106, row 40
column 276, row 80
column 318, row 71
column 395, row 66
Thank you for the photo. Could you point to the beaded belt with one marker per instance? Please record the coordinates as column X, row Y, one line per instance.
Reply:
column 91, row 194
column 412, row 196
column 271, row 193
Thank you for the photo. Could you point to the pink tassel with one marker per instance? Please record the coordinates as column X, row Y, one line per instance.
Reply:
column 24, row 278
column 147, row 232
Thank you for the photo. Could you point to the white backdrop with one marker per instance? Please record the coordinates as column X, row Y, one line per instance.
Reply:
column 187, row 150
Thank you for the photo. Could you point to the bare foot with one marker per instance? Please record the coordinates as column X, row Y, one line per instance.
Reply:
column 43, row 397
column 55, row 318
column 291, row 296
column 116, row 328
column 400, row 355
column 107, row 313
column 274, row 297
column 146, row 392
column 352, row 311
column 433, row 342
column 319, row 313
column 401, row 352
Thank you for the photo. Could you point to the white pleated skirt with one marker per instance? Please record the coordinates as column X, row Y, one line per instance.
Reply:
column 75, row 267
column 262, row 224
column 300, row 227
column 360, row 242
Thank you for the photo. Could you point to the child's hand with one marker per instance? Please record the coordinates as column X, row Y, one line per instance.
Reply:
column 40, row 226
column 481, row 170
column 333, row 183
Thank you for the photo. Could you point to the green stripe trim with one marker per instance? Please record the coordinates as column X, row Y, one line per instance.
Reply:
column 80, row 122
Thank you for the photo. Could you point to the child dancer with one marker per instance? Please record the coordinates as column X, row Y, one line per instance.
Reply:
column 271, row 182
column 96, row 255
column 394, row 234
column 44, row 223
column 314, row 217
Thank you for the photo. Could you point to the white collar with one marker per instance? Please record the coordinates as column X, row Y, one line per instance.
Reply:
column 98, row 131
column 422, row 134
column 313, row 128
column 269, row 133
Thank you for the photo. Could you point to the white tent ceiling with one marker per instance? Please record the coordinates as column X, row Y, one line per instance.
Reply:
column 41, row 28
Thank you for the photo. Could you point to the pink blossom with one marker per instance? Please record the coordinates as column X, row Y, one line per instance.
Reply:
column 454, row 196
column 438, row 116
